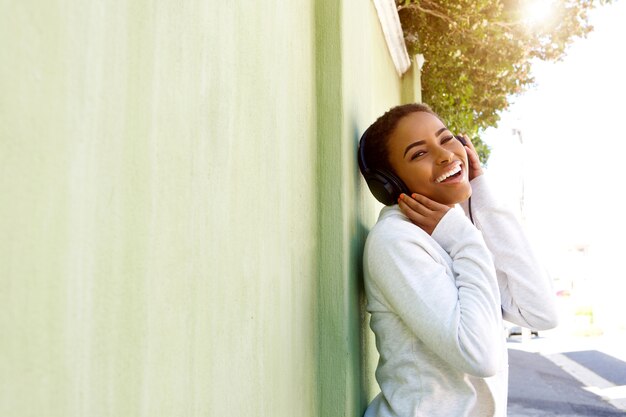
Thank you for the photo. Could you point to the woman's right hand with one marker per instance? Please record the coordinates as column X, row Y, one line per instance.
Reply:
column 422, row 211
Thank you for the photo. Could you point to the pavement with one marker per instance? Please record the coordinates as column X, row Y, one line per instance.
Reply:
column 554, row 375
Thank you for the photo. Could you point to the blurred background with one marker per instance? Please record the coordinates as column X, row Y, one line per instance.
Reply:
column 562, row 146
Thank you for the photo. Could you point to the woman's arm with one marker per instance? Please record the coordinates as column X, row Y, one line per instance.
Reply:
column 457, row 315
column 526, row 290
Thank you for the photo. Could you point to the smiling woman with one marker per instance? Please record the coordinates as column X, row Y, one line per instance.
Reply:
column 437, row 285
column 428, row 158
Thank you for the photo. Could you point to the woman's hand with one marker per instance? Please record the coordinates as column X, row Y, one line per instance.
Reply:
column 475, row 169
column 422, row 211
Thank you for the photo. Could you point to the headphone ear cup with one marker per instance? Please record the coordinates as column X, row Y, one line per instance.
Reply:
column 385, row 186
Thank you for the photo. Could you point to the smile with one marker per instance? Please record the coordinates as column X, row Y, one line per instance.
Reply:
column 456, row 169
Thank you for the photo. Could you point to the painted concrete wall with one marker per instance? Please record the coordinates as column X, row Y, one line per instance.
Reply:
column 364, row 87
column 180, row 208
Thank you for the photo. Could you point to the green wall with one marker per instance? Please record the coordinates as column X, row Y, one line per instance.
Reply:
column 180, row 207
column 352, row 96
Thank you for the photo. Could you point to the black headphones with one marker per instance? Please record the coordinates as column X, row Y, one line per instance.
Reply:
column 385, row 185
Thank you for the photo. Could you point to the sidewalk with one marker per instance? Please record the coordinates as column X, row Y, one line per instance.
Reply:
column 566, row 376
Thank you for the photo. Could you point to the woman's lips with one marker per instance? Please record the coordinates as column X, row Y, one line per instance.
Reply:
column 454, row 179
column 454, row 174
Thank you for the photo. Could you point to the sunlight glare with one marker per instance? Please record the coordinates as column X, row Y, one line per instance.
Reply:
column 537, row 11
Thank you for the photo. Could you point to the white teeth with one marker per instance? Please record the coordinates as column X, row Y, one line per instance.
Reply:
column 455, row 170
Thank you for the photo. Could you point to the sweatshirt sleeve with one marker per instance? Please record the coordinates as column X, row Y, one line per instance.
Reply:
column 459, row 316
column 525, row 288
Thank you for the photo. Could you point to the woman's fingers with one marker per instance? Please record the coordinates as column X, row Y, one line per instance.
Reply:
column 409, row 211
column 474, row 160
column 426, row 202
column 422, row 211
column 415, row 205
column 469, row 142
column 475, row 168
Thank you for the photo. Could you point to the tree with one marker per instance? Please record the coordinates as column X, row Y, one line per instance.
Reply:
column 478, row 53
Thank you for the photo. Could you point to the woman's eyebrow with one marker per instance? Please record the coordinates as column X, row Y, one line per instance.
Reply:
column 421, row 142
column 418, row 143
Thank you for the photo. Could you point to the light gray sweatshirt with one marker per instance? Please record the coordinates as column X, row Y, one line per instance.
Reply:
column 437, row 303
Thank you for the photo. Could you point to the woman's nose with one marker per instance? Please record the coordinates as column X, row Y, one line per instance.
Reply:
column 444, row 155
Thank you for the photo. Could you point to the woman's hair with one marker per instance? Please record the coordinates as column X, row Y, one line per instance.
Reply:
column 376, row 152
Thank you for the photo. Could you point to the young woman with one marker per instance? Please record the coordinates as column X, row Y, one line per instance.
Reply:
column 438, row 283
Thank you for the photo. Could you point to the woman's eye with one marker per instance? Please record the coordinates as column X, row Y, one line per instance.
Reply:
column 417, row 154
column 446, row 139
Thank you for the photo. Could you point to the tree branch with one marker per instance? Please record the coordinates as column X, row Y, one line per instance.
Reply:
column 426, row 11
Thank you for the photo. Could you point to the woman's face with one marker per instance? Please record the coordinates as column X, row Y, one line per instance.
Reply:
column 429, row 159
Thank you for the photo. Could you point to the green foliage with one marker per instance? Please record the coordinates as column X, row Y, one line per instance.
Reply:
column 478, row 53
